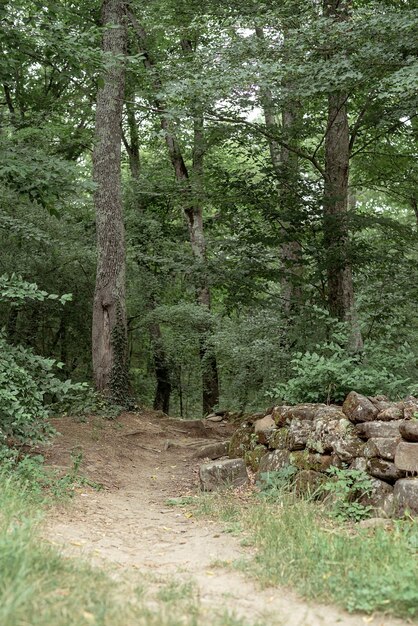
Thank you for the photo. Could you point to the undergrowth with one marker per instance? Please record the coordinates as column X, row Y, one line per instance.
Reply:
column 298, row 544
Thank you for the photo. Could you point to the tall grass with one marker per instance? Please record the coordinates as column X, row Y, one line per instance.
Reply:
column 297, row 545
column 39, row 587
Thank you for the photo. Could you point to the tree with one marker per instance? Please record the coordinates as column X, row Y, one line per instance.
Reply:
column 109, row 328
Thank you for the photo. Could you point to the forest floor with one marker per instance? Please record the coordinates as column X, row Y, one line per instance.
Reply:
column 142, row 461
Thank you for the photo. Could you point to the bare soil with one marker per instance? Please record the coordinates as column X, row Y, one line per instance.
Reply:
column 142, row 460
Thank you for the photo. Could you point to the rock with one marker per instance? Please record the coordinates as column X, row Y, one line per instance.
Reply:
column 406, row 495
column 304, row 460
column 241, row 441
column 263, row 428
column 348, row 448
column 331, row 411
column 326, row 431
column 358, row 408
column 298, row 434
column 279, row 414
column 378, row 400
column 406, row 456
column 273, row 461
column 368, row 430
column 213, row 450
column 214, row 418
column 253, row 457
column 359, row 464
column 387, row 507
column 410, row 409
column 382, row 447
column 220, row 474
column 307, row 482
column 384, row 470
column 302, row 411
column 409, row 430
column 376, row 522
column 392, row 412
column 376, row 497
column 278, row 439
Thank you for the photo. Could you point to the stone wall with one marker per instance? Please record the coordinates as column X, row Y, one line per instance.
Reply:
column 371, row 434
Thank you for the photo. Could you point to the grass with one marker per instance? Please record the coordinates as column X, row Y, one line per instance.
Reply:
column 40, row 587
column 298, row 545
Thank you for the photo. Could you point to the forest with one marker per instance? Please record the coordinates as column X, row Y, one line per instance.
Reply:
column 206, row 205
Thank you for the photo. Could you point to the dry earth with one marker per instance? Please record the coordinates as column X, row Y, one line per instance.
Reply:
column 142, row 460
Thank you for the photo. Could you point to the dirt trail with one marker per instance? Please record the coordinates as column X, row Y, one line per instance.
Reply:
column 143, row 460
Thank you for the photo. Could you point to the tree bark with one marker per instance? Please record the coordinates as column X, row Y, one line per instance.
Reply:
column 109, row 332
column 341, row 300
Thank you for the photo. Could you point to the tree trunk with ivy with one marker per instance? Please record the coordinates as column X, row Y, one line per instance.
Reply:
column 109, row 331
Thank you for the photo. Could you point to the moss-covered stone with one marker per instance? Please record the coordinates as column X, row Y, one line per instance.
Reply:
column 241, row 441
column 278, row 440
column 304, row 460
column 253, row 457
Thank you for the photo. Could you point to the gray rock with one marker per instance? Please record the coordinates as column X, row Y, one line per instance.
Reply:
column 348, row 448
column 241, row 441
column 379, row 399
column 406, row 456
column 214, row 418
column 326, row 432
column 359, row 464
column 213, row 450
column 358, row 408
column 382, row 447
column 308, row 481
column 263, row 428
column 298, row 434
column 278, row 439
column 406, row 495
column 376, row 497
column 368, row 430
column 384, row 470
column 409, row 430
column 410, row 407
column 376, row 522
column 393, row 412
column 273, row 461
column 220, row 474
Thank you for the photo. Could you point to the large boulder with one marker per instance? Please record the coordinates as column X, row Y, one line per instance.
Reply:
column 384, row 470
column 367, row 430
column 409, row 430
column 406, row 456
column 221, row 474
column 382, row 447
column 406, row 495
column 359, row 464
column 348, row 448
column 358, row 408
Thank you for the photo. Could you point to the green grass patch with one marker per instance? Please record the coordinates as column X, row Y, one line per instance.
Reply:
column 40, row 587
column 298, row 545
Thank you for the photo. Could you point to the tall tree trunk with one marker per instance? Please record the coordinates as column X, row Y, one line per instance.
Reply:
column 109, row 332
column 192, row 207
column 336, row 235
column 286, row 167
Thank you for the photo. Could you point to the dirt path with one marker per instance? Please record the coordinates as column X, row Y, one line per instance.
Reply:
column 143, row 460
